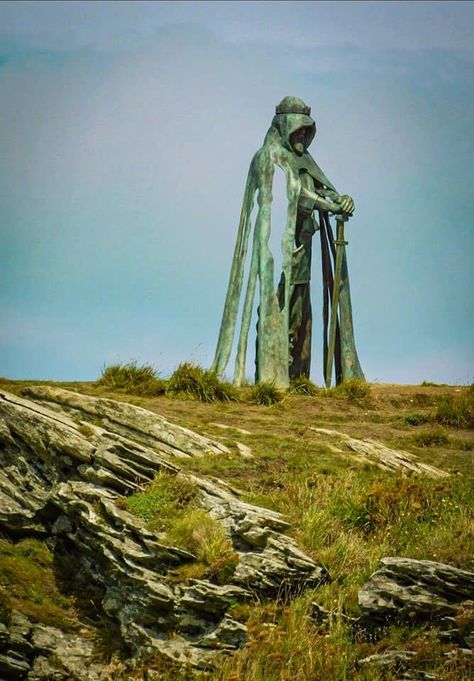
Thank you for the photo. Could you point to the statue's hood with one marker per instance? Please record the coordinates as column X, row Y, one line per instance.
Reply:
column 291, row 114
column 274, row 143
column 288, row 123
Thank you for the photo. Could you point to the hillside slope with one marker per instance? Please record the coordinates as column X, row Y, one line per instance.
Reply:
column 349, row 480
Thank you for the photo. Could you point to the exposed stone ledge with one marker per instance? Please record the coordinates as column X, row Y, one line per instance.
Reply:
column 67, row 458
column 375, row 453
column 408, row 590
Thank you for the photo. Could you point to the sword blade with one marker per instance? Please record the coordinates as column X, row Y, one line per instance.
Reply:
column 340, row 248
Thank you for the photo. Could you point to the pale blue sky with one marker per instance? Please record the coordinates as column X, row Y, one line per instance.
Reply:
column 126, row 134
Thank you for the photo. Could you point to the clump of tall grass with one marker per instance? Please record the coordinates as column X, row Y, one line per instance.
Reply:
column 205, row 537
column 192, row 381
column 161, row 500
column 265, row 394
column 436, row 437
column 302, row 385
column 416, row 419
column 28, row 584
column 456, row 411
column 354, row 390
column 169, row 506
column 132, row 378
column 285, row 645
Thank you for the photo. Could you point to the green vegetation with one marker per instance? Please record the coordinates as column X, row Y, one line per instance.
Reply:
column 436, row 437
column 286, row 645
column 265, row 394
column 162, row 500
column 132, row 379
column 193, row 382
column 302, row 385
column 199, row 533
column 416, row 419
column 5, row 606
column 168, row 505
column 456, row 411
column 28, row 584
column 354, row 389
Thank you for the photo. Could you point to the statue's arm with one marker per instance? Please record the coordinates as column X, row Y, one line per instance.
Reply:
column 337, row 205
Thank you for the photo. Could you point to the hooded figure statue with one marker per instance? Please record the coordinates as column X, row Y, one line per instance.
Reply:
column 283, row 348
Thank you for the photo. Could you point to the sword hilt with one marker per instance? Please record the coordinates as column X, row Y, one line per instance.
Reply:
column 340, row 220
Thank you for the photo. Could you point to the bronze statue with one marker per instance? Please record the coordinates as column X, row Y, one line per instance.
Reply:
column 284, row 312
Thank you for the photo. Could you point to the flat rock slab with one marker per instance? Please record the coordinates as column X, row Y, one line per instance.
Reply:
column 408, row 590
column 136, row 423
column 377, row 454
column 399, row 662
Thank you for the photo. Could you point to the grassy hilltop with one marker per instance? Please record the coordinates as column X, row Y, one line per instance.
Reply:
column 345, row 513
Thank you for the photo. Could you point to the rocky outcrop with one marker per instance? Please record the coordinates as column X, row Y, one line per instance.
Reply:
column 66, row 461
column 41, row 653
column 398, row 662
column 122, row 418
column 375, row 453
column 407, row 590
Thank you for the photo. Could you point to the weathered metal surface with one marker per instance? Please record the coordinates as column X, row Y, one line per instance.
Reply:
column 284, row 312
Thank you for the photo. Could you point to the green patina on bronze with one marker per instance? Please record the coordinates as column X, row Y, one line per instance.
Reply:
column 284, row 312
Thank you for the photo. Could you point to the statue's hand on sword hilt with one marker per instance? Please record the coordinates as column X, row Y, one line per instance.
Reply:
column 347, row 204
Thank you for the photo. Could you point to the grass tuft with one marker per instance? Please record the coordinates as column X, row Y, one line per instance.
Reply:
column 133, row 379
column 354, row 390
column 416, row 419
column 28, row 584
column 265, row 394
column 192, row 381
column 207, row 539
column 168, row 505
column 302, row 385
column 456, row 411
column 161, row 500
column 436, row 437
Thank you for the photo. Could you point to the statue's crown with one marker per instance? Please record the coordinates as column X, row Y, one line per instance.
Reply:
column 294, row 105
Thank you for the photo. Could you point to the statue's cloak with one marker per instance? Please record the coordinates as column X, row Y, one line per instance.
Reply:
column 273, row 320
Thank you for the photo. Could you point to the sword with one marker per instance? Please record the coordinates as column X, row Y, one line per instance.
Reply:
column 340, row 249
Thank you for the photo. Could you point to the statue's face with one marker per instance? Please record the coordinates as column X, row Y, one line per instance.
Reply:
column 297, row 141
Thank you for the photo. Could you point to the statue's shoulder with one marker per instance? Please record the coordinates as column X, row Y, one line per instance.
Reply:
column 265, row 154
column 270, row 152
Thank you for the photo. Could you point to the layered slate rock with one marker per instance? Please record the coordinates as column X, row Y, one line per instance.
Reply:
column 128, row 420
column 67, row 460
column 43, row 653
column 369, row 451
column 397, row 662
column 407, row 590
